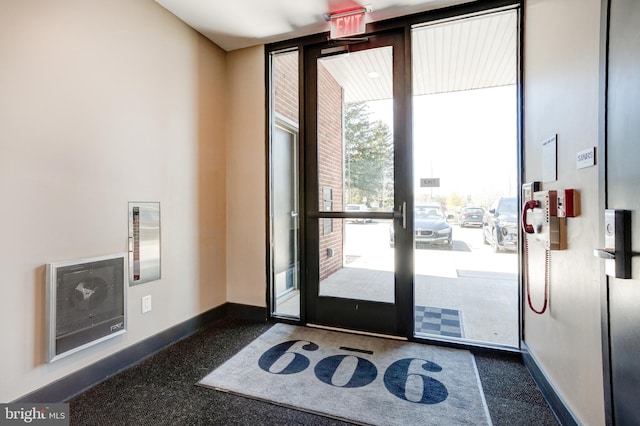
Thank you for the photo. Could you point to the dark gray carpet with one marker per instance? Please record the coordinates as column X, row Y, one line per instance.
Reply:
column 162, row 389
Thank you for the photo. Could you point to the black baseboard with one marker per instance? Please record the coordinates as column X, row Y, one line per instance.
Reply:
column 253, row 313
column 75, row 383
column 560, row 409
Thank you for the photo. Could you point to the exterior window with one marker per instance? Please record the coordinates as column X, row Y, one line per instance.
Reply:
column 283, row 183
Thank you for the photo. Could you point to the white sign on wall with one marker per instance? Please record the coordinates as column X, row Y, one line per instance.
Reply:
column 586, row 158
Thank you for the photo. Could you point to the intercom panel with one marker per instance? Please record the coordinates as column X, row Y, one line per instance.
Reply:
column 541, row 221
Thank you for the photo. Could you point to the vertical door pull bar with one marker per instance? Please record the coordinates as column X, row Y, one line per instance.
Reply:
column 402, row 214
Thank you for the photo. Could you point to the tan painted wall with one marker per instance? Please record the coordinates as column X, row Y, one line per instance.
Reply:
column 561, row 83
column 246, row 193
column 98, row 110
column 105, row 102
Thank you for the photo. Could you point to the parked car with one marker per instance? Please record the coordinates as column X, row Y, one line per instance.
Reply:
column 357, row 208
column 471, row 216
column 430, row 227
column 500, row 224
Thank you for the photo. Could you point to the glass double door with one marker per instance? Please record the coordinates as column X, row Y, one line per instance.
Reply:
column 358, row 238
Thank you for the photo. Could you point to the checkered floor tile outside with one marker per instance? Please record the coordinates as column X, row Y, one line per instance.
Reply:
column 444, row 322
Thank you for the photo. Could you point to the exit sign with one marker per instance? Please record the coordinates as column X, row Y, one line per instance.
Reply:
column 429, row 182
column 347, row 24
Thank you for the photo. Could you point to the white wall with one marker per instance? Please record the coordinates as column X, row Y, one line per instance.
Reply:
column 105, row 102
column 246, row 179
column 561, row 82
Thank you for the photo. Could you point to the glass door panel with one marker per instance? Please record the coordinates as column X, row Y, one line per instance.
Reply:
column 356, row 158
column 355, row 173
column 366, row 268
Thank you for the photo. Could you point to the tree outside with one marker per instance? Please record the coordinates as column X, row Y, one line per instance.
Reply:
column 368, row 158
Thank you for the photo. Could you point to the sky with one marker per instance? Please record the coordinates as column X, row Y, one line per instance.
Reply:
column 467, row 139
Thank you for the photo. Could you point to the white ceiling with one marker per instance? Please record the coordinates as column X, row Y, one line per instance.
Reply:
column 478, row 52
column 473, row 53
column 234, row 24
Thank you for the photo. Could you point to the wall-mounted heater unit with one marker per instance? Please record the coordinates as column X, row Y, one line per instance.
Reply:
column 86, row 303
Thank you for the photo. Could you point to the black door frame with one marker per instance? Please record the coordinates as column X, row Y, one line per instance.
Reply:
column 362, row 315
column 405, row 24
column 602, row 204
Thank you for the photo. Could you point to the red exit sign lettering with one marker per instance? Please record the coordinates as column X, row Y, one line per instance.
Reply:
column 347, row 25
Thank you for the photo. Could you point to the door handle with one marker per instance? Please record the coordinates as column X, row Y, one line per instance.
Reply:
column 294, row 214
column 617, row 243
column 605, row 253
column 402, row 214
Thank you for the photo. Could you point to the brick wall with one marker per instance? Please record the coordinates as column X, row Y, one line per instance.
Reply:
column 285, row 82
column 330, row 168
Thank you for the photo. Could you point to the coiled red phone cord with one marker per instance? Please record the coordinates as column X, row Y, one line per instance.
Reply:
column 547, row 260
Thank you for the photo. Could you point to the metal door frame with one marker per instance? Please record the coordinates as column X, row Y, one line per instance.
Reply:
column 390, row 319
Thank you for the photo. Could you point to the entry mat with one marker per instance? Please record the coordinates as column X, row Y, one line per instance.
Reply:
column 440, row 321
column 360, row 379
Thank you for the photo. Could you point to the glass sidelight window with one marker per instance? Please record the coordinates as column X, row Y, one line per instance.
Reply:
column 283, row 181
column 466, row 179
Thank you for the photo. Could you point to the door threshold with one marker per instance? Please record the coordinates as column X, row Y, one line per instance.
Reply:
column 350, row 331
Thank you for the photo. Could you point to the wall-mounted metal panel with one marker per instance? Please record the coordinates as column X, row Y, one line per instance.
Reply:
column 144, row 242
column 86, row 303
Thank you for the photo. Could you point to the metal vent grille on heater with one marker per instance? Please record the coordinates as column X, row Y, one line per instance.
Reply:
column 85, row 303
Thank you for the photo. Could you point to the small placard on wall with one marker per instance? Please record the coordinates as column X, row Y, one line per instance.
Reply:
column 586, row 158
column 550, row 159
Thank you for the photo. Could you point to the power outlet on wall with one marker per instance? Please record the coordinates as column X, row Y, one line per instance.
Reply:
column 146, row 304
